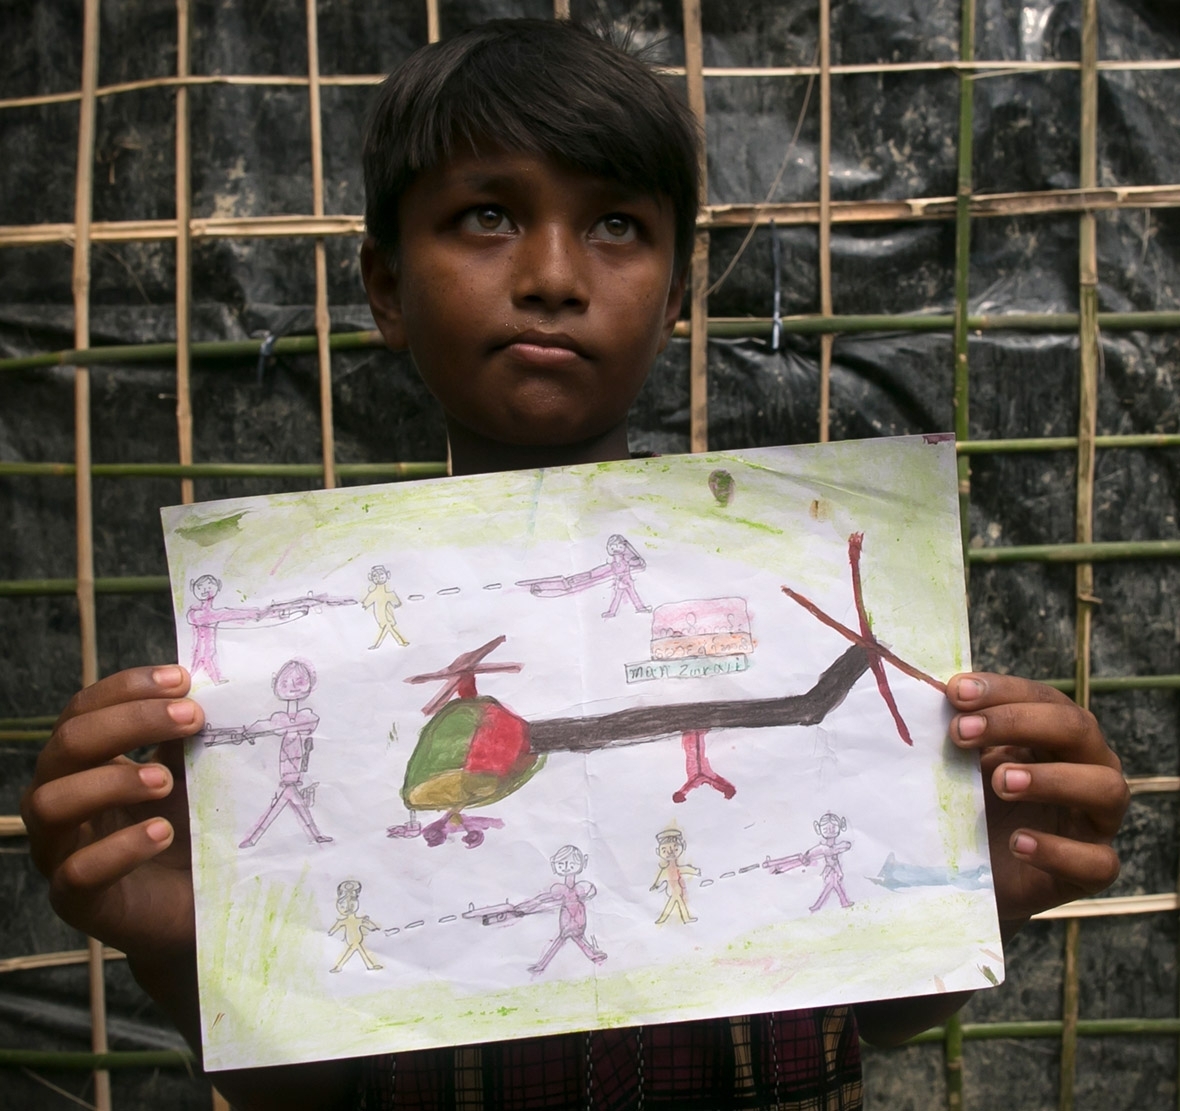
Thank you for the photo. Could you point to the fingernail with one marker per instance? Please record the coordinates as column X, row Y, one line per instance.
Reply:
column 153, row 776
column 159, row 830
column 1016, row 780
column 1024, row 844
column 167, row 677
column 972, row 726
column 971, row 689
column 183, row 712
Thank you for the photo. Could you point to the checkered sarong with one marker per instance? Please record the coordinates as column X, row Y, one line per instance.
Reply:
column 794, row 1061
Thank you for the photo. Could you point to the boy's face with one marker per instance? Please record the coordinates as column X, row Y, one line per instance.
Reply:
column 532, row 296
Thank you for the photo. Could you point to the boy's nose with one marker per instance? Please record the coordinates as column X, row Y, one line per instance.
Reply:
column 549, row 269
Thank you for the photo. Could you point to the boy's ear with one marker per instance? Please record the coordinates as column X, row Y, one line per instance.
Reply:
column 672, row 308
column 384, row 290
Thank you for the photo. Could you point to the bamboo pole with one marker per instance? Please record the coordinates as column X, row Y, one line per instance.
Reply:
column 1088, row 344
column 963, row 191
column 826, row 339
column 952, row 1059
column 981, row 68
column 323, row 320
column 1077, row 553
column 786, row 213
column 229, row 470
column 184, row 270
column 84, row 513
column 1069, row 1015
column 60, row 959
column 971, row 1031
column 432, row 25
column 698, row 358
column 717, row 326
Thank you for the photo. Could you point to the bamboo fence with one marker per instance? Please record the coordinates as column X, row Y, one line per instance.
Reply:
column 964, row 207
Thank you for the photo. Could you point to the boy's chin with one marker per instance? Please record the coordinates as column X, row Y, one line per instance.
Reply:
column 541, row 443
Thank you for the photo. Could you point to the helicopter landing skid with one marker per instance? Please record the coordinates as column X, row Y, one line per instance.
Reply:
column 698, row 769
column 446, row 827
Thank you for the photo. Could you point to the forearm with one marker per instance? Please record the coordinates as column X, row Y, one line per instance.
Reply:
column 889, row 1022
column 317, row 1086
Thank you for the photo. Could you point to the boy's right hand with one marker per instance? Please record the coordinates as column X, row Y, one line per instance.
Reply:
column 111, row 835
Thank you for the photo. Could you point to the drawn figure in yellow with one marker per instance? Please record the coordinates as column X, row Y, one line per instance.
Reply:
column 383, row 601
column 671, row 876
column 353, row 927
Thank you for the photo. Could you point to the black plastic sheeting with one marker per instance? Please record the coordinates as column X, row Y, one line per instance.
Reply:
column 894, row 136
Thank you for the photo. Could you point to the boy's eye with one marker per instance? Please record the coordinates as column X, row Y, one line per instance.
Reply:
column 615, row 228
column 485, row 219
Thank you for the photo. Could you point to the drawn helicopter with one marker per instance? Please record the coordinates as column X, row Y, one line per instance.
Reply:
column 474, row 751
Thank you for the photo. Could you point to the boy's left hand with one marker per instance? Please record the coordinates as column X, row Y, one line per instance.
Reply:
column 1055, row 791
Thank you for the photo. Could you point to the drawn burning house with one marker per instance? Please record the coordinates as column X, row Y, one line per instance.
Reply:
column 701, row 627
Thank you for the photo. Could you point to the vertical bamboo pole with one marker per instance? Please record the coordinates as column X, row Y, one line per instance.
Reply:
column 963, row 260
column 953, row 1063
column 561, row 9
column 953, row 1043
column 1088, row 349
column 825, row 216
column 323, row 321
column 698, row 359
column 432, row 29
column 84, row 510
column 184, row 408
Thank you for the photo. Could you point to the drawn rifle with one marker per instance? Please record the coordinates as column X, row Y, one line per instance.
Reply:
column 303, row 605
column 236, row 734
column 500, row 912
column 787, row 863
column 556, row 586
column 226, row 735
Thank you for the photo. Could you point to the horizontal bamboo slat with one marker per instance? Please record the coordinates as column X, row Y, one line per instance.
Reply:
column 1037, row 203
column 995, row 68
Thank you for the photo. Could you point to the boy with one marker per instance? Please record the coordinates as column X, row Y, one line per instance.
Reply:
column 531, row 196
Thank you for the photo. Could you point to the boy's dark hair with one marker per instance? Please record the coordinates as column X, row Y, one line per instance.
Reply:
column 544, row 86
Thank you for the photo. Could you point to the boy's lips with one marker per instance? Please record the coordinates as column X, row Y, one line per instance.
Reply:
column 544, row 349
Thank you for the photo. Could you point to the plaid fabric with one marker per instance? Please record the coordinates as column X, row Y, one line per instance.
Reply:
column 796, row 1061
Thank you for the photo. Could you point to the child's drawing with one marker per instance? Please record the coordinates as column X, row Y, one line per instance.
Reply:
column 568, row 897
column 701, row 627
column 206, row 619
column 670, row 847
column 472, row 752
column 721, row 485
column 896, row 875
column 829, row 850
column 383, row 601
column 354, row 927
column 296, row 725
column 785, row 652
column 876, row 652
column 624, row 562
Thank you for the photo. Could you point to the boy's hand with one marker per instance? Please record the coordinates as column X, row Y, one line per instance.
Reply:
column 109, row 834
column 1054, row 790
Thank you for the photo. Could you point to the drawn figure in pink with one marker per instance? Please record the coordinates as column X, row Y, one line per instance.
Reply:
column 671, row 876
column 829, row 827
column 354, row 927
column 624, row 562
column 829, row 850
column 296, row 725
column 568, row 898
column 205, row 619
